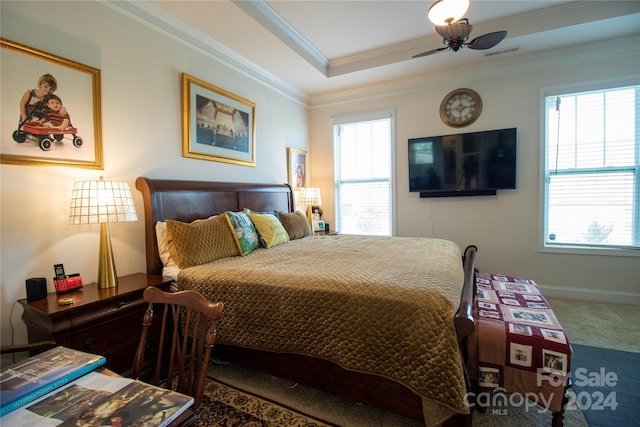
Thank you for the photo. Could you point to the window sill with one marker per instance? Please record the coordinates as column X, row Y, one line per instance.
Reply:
column 586, row 250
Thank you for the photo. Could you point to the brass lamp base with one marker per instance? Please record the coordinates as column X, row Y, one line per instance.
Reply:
column 107, row 277
column 310, row 216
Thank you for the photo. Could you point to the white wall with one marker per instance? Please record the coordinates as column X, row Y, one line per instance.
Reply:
column 504, row 227
column 141, row 134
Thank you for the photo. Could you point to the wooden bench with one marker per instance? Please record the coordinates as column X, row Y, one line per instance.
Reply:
column 519, row 353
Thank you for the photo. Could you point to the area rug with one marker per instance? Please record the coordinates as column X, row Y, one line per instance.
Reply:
column 226, row 406
column 607, row 385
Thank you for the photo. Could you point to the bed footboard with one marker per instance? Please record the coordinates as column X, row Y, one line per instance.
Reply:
column 463, row 319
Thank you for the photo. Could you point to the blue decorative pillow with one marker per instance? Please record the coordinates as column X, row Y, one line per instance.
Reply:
column 243, row 230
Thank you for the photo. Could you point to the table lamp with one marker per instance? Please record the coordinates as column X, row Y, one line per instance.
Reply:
column 102, row 202
column 309, row 197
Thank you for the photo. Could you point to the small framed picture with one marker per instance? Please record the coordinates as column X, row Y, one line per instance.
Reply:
column 297, row 167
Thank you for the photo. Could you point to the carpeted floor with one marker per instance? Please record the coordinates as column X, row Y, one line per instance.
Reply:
column 619, row 323
column 598, row 324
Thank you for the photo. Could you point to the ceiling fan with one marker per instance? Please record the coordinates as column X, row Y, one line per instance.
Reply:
column 455, row 30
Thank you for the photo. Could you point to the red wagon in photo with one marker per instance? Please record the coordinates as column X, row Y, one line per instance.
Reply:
column 46, row 135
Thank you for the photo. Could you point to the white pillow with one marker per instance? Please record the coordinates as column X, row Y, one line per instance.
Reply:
column 172, row 274
column 170, row 268
column 163, row 245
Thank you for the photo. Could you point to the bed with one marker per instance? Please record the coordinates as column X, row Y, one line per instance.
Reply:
column 332, row 329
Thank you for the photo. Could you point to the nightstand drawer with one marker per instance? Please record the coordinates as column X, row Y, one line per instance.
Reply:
column 108, row 313
column 120, row 359
column 103, row 338
column 118, row 339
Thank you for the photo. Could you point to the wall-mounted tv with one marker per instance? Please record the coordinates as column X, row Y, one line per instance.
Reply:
column 465, row 164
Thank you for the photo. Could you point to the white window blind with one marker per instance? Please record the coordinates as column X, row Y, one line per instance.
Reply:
column 592, row 169
column 363, row 175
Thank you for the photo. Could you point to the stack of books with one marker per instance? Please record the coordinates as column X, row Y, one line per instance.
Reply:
column 61, row 387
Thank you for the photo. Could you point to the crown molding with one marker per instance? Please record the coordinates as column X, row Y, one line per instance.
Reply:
column 554, row 17
column 157, row 19
column 503, row 67
column 276, row 25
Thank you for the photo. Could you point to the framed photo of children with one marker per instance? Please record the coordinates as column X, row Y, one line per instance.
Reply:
column 217, row 125
column 297, row 167
column 50, row 109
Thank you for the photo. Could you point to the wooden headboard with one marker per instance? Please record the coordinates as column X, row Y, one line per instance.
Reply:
column 190, row 200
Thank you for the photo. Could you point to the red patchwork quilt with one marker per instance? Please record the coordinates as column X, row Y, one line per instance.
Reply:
column 518, row 347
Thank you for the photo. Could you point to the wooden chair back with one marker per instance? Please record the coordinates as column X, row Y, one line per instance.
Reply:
column 187, row 335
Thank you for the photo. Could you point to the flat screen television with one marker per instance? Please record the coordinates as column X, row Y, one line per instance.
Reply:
column 465, row 164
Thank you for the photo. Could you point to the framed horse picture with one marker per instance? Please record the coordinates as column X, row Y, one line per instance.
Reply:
column 217, row 125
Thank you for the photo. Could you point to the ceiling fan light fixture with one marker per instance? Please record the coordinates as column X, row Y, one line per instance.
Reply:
column 455, row 31
column 446, row 12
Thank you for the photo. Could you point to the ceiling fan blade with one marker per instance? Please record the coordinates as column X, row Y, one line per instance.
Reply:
column 429, row 52
column 487, row 41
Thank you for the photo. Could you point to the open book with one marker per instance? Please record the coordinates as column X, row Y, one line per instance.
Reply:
column 97, row 399
column 31, row 378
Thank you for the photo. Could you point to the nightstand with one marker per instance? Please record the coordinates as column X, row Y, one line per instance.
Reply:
column 101, row 321
column 325, row 233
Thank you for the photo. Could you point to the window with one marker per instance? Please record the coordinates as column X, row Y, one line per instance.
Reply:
column 363, row 149
column 592, row 169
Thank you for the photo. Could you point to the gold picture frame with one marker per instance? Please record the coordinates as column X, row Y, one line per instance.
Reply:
column 297, row 167
column 41, row 133
column 216, row 124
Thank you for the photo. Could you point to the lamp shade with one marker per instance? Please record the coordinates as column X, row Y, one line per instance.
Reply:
column 102, row 202
column 308, row 196
column 445, row 12
column 94, row 202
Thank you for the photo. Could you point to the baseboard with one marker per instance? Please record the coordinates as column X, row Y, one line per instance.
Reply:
column 591, row 294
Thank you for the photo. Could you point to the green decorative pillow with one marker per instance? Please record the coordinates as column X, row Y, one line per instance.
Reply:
column 296, row 224
column 270, row 230
column 243, row 230
column 201, row 241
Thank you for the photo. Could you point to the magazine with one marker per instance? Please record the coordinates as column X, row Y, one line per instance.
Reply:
column 97, row 399
column 35, row 376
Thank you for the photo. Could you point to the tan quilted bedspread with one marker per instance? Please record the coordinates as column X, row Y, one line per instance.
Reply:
column 371, row 304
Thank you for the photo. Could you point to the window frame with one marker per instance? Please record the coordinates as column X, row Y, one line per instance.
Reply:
column 543, row 197
column 363, row 117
